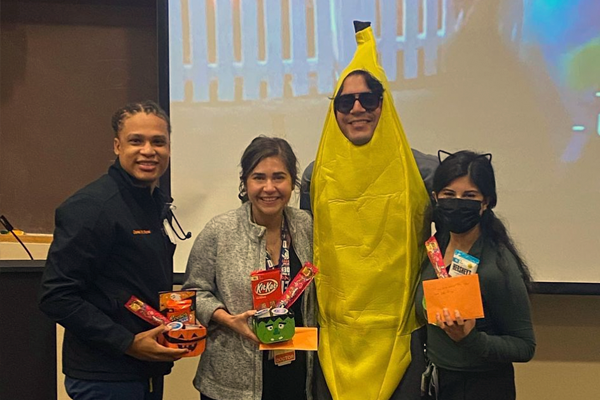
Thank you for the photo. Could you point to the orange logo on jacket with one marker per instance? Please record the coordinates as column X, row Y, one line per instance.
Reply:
column 142, row 231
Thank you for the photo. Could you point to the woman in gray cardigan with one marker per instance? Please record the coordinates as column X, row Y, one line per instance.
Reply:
column 263, row 233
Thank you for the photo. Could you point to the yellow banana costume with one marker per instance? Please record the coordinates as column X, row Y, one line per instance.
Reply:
column 369, row 205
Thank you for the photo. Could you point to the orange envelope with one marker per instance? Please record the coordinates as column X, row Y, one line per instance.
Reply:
column 304, row 339
column 460, row 293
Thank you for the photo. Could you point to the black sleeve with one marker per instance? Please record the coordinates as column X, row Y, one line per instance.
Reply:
column 511, row 312
column 82, row 242
column 427, row 165
column 305, row 188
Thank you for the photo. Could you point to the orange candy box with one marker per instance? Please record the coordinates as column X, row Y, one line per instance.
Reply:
column 190, row 337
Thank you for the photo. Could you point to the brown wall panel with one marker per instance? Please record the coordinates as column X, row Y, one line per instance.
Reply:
column 65, row 67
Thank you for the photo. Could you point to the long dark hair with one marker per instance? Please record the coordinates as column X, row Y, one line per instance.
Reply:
column 263, row 147
column 478, row 167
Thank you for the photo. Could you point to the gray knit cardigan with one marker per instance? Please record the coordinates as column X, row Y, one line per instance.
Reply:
column 224, row 253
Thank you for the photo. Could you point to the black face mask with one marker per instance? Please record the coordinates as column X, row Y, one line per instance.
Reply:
column 458, row 215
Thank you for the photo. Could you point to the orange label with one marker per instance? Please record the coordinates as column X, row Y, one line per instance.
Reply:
column 283, row 357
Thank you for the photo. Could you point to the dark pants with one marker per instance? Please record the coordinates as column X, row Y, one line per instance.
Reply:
column 410, row 385
column 489, row 385
column 79, row 389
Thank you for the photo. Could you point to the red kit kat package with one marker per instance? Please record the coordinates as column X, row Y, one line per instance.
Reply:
column 266, row 288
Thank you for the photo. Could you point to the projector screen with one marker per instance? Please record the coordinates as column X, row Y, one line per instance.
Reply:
column 517, row 78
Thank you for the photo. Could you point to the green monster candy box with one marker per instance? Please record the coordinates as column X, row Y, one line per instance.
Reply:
column 273, row 325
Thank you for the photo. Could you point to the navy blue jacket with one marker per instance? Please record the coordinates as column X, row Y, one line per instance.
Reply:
column 108, row 245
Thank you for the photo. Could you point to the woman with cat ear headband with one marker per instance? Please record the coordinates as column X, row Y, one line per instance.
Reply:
column 472, row 359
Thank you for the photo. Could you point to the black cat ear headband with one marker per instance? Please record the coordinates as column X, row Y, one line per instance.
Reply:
column 488, row 156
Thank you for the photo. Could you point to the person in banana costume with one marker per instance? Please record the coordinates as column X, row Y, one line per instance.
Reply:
column 370, row 208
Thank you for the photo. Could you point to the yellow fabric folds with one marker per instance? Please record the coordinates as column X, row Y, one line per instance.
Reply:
column 369, row 205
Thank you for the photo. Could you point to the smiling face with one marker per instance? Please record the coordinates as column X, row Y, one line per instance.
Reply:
column 358, row 125
column 143, row 148
column 269, row 187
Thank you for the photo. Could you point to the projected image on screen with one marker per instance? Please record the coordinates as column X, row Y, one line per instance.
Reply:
column 517, row 78
column 568, row 38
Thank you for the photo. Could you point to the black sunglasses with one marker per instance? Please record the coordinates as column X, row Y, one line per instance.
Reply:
column 345, row 102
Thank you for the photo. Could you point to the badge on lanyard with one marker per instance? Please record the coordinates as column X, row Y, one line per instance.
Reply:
column 284, row 259
column 284, row 357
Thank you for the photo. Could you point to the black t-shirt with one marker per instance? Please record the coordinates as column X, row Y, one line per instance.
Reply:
column 287, row 381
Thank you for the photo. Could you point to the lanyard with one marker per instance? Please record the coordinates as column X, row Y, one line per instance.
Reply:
column 284, row 259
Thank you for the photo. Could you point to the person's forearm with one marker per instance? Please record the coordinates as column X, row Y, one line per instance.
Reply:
column 222, row 317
